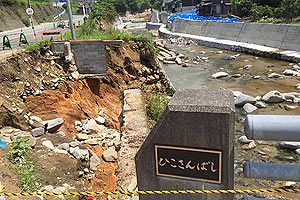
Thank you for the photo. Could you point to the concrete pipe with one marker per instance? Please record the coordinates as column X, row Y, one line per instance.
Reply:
column 271, row 171
column 273, row 127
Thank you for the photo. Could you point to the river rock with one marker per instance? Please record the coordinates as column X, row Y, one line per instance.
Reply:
column 237, row 93
column 290, row 145
column 56, row 150
column 75, row 75
column 95, row 161
column 274, row 75
column 296, row 67
column 100, row 120
column 110, row 155
column 82, row 136
column 232, row 57
column 296, row 100
column 53, row 125
column 249, row 108
column 178, row 60
column 48, row 144
column 256, row 77
column 289, row 107
column 59, row 189
column 273, row 97
column 242, row 99
column 298, row 86
column 249, row 146
column 91, row 125
column 82, row 154
column 289, row 72
column 291, row 95
column 73, row 144
column 247, row 67
column 38, row 132
column 64, row 146
column 243, row 139
column 36, row 118
column 260, row 104
column 91, row 141
column 220, row 75
column 236, row 75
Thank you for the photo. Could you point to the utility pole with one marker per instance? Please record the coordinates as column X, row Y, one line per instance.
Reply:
column 71, row 19
column 30, row 13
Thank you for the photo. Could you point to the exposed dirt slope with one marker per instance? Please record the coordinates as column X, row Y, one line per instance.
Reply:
column 13, row 17
column 38, row 85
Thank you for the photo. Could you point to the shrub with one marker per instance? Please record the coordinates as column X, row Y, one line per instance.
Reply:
column 18, row 155
column 258, row 12
column 242, row 8
column 156, row 105
column 37, row 47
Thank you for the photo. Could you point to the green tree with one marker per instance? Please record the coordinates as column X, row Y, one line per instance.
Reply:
column 258, row 12
column 290, row 9
column 242, row 8
column 104, row 10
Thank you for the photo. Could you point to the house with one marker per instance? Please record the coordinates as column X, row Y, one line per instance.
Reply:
column 218, row 8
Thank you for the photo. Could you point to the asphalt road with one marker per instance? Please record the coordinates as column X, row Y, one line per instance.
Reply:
column 14, row 35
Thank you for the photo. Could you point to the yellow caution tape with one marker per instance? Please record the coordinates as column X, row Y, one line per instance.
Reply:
column 156, row 192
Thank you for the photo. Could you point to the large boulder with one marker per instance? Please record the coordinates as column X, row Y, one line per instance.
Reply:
column 249, row 108
column 290, row 145
column 273, row 97
column 53, row 125
column 289, row 72
column 38, row 132
column 242, row 99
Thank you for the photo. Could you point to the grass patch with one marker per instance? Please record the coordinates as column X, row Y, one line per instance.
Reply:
column 19, row 156
column 89, row 30
column 25, row 21
column 156, row 105
column 37, row 47
column 287, row 156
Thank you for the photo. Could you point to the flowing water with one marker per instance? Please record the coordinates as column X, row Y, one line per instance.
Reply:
column 198, row 75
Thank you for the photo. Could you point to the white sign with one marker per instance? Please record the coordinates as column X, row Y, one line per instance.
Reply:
column 29, row 11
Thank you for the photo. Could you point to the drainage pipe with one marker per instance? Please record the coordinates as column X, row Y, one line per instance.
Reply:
column 272, row 171
column 273, row 127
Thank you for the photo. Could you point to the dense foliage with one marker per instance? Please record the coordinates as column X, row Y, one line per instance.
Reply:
column 24, row 2
column 267, row 10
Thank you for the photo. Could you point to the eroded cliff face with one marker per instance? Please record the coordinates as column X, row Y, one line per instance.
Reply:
column 40, row 85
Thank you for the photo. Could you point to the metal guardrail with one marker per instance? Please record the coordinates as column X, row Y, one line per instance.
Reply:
column 7, row 42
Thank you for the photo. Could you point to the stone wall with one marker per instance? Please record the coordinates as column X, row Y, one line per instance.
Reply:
column 90, row 55
column 282, row 36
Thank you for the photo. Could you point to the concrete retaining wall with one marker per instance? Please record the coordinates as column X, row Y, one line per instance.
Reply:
column 280, row 36
column 90, row 55
column 255, row 49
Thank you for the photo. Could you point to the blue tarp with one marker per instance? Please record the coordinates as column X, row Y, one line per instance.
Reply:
column 192, row 15
column 3, row 144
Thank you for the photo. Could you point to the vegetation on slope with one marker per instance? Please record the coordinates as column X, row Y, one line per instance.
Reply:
column 24, row 2
column 19, row 156
column 277, row 11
